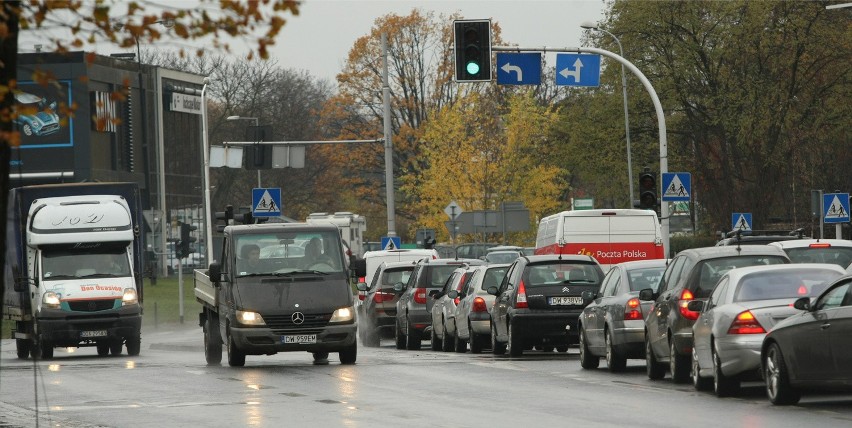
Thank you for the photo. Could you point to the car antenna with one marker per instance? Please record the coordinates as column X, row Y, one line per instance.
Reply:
column 739, row 239
column 561, row 244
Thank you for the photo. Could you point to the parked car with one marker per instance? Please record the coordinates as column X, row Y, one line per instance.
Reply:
column 836, row 251
column 811, row 350
column 413, row 309
column 539, row 302
column 377, row 313
column 443, row 312
column 691, row 275
column 746, row 303
column 368, row 266
column 473, row 320
column 613, row 324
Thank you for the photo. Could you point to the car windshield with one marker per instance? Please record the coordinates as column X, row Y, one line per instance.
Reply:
column 784, row 285
column 640, row 279
column 713, row 269
column 286, row 252
column 539, row 275
column 841, row 256
column 64, row 264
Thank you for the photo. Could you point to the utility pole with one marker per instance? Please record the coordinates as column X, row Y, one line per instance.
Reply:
column 388, row 143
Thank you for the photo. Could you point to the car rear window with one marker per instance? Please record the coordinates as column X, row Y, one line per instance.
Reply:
column 392, row 276
column 640, row 279
column 713, row 269
column 493, row 277
column 783, row 285
column 542, row 275
column 841, row 256
column 437, row 275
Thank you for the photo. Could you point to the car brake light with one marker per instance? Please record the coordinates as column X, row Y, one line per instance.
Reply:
column 361, row 297
column 383, row 297
column 521, row 301
column 686, row 297
column 479, row 305
column 820, row 245
column 420, row 296
column 457, row 300
column 803, row 291
column 632, row 311
column 745, row 323
column 362, row 279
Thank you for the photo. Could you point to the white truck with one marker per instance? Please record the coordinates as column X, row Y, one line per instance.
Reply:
column 72, row 268
column 352, row 229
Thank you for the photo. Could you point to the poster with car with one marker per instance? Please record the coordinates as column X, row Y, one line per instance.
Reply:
column 39, row 120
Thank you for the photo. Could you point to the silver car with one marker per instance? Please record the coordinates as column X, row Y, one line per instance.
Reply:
column 613, row 324
column 746, row 303
column 473, row 321
column 443, row 312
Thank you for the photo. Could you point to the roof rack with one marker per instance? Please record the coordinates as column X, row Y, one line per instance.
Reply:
column 798, row 232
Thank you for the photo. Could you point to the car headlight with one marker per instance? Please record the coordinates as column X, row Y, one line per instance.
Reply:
column 249, row 318
column 129, row 297
column 50, row 300
column 343, row 315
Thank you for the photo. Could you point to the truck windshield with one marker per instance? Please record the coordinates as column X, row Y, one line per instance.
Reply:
column 84, row 263
column 284, row 252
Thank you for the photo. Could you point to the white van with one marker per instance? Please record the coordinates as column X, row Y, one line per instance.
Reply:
column 611, row 236
column 374, row 259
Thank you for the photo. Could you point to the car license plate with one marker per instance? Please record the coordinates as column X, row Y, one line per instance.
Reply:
column 93, row 333
column 300, row 339
column 566, row 300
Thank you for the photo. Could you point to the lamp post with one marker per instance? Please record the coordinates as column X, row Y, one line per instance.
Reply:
column 255, row 124
column 591, row 26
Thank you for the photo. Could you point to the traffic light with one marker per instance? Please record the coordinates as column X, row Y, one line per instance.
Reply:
column 472, row 50
column 227, row 215
column 183, row 249
column 647, row 190
column 258, row 156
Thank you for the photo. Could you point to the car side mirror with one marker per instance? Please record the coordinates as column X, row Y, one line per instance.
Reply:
column 802, row 304
column 215, row 272
column 492, row 290
column 359, row 266
column 398, row 287
column 589, row 295
column 647, row 294
column 695, row 305
column 361, row 286
column 435, row 294
column 453, row 294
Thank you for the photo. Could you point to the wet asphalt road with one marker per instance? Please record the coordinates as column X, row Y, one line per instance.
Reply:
column 169, row 385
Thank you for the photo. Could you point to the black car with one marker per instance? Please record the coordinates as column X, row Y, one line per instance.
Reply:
column 811, row 350
column 539, row 302
column 691, row 275
column 413, row 309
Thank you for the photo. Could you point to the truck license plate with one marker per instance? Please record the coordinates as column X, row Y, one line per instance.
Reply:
column 300, row 339
column 93, row 333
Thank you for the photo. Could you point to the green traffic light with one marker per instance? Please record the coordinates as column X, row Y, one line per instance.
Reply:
column 472, row 68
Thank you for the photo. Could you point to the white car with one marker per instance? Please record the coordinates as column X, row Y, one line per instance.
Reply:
column 834, row 251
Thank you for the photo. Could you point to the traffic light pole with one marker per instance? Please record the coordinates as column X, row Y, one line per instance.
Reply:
column 658, row 107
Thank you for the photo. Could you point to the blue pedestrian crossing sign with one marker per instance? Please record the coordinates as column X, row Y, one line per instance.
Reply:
column 677, row 186
column 741, row 221
column 835, row 208
column 391, row 243
column 266, row 202
column 519, row 68
column 578, row 70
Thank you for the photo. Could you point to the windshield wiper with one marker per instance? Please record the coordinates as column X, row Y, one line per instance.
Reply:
column 100, row 275
column 52, row 277
column 293, row 272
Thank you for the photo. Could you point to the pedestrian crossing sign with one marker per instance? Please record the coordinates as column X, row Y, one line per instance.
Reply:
column 677, row 186
column 391, row 243
column 266, row 202
column 741, row 221
column 835, row 207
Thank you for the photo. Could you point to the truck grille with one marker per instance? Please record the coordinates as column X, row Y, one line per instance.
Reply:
column 284, row 323
column 91, row 305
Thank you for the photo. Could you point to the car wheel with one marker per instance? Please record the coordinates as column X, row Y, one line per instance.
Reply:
column 778, row 387
column 28, row 130
column 22, row 346
column 654, row 369
column 497, row 347
column 45, row 349
column 115, row 347
column 447, row 342
column 698, row 382
column 587, row 360
column 134, row 344
column 723, row 386
column 515, row 347
column 459, row 345
column 436, row 343
column 236, row 357
column 212, row 342
column 614, row 360
column 476, row 344
column 679, row 365
column 372, row 338
column 412, row 337
column 562, row 348
column 548, row 348
column 103, row 349
column 349, row 354
column 398, row 336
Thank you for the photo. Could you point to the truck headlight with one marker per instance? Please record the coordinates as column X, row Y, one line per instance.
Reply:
column 249, row 318
column 50, row 300
column 343, row 315
column 129, row 297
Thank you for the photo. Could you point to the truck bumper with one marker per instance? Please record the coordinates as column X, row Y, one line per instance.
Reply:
column 61, row 329
column 263, row 341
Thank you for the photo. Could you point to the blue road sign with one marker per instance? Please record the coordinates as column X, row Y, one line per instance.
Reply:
column 741, row 221
column 391, row 243
column 266, row 202
column 835, row 208
column 578, row 70
column 519, row 68
column 677, row 186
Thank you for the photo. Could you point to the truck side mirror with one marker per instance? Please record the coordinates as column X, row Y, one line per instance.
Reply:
column 359, row 266
column 215, row 272
column 22, row 283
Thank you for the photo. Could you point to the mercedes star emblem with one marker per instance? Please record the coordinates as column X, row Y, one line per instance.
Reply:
column 298, row 317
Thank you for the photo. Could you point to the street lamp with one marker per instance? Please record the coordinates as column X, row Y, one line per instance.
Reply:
column 255, row 124
column 592, row 26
